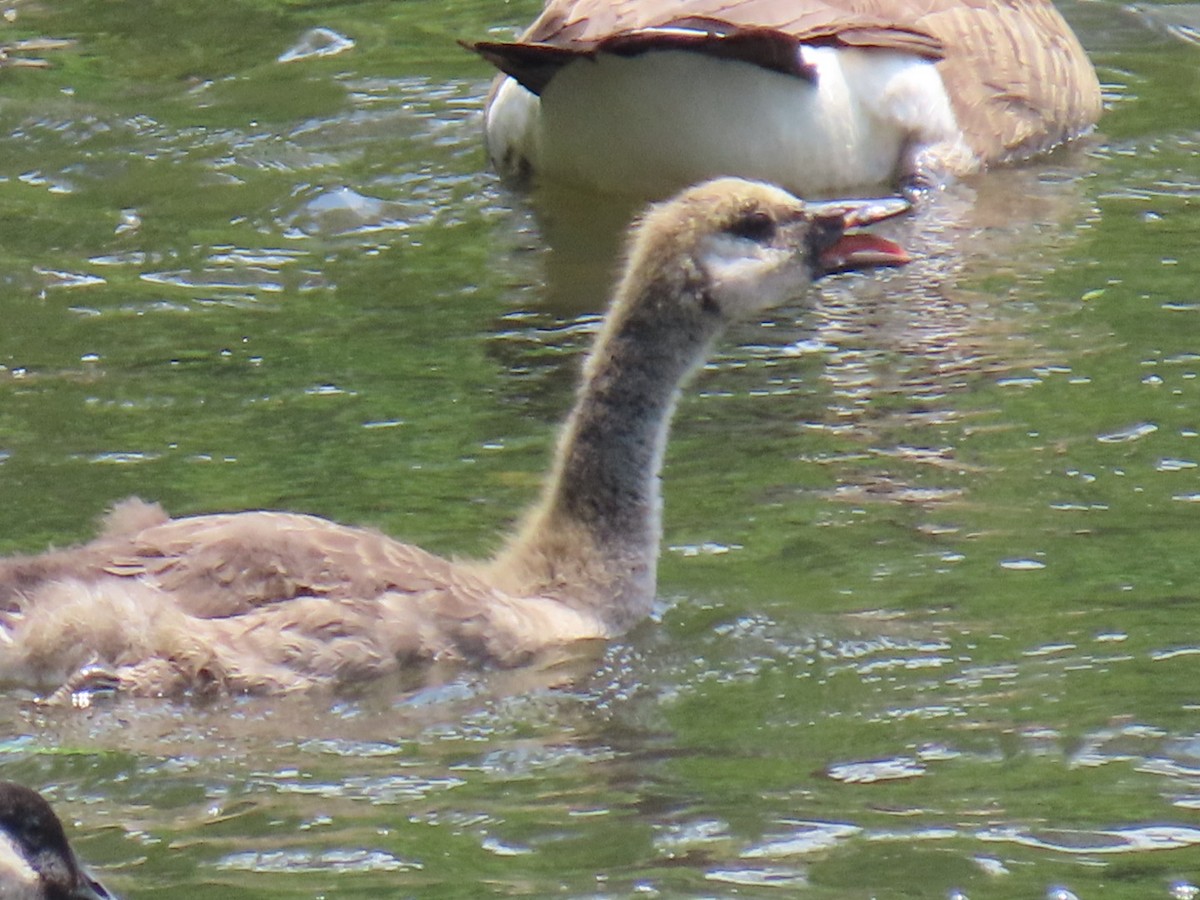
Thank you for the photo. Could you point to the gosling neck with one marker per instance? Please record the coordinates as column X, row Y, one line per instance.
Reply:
column 592, row 541
column 606, row 473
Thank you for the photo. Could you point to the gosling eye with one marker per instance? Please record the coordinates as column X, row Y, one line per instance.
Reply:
column 753, row 226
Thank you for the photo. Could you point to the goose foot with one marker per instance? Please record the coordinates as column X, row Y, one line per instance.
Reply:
column 918, row 187
column 82, row 687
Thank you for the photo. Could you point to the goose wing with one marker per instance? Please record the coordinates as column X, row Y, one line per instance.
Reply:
column 1019, row 80
column 294, row 599
column 765, row 33
column 228, row 564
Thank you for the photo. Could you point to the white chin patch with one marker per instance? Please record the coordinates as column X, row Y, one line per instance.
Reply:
column 16, row 874
column 745, row 275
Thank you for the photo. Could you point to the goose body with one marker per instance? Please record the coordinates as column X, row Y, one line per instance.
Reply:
column 36, row 862
column 819, row 96
column 271, row 602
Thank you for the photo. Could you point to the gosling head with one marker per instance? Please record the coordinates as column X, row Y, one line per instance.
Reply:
column 728, row 248
column 36, row 862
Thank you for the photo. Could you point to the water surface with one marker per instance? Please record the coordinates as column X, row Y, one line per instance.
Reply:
column 929, row 597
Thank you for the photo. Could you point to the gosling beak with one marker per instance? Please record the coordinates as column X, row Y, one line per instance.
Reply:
column 90, row 889
column 836, row 251
column 857, row 213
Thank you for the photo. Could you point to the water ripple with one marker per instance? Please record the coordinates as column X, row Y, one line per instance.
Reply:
column 346, row 860
column 1132, row 839
column 876, row 770
column 803, row 838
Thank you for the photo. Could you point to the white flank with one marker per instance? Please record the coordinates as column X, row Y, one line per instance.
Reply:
column 650, row 123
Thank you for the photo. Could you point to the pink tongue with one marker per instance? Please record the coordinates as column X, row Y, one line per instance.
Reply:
column 861, row 251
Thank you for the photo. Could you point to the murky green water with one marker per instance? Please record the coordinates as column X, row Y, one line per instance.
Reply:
column 930, row 611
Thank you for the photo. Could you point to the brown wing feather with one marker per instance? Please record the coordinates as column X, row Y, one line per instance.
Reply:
column 223, row 565
column 765, row 34
column 1022, row 82
column 583, row 25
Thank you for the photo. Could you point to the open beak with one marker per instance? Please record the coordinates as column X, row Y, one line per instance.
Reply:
column 835, row 250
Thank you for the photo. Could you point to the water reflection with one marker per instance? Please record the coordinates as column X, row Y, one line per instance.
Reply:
column 916, row 334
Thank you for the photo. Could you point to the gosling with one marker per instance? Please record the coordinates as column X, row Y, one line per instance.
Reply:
column 271, row 602
column 36, row 862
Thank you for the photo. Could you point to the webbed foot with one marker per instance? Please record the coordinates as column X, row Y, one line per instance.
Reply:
column 82, row 687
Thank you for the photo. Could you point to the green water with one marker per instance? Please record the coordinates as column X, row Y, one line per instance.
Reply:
column 930, row 604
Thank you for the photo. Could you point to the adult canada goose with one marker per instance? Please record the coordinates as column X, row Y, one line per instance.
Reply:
column 272, row 601
column 819, row 96
column 36, row 862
